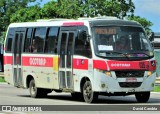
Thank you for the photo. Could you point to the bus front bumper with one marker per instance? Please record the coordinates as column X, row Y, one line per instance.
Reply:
column 111, row 84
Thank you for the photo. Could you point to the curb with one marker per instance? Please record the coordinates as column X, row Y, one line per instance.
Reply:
column 156, row 92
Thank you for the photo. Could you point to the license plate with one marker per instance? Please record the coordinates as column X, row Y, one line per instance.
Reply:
column 131, row 79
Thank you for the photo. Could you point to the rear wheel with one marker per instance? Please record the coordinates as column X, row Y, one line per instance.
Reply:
column 142, row 96
column 88, row 94
column 36, row 92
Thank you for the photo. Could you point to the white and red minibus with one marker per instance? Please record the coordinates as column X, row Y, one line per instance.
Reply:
column 86, row 57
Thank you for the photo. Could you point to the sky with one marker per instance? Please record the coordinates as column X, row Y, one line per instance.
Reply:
column 149, row 9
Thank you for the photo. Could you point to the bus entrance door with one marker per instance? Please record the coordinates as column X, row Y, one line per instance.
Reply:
column 17, row 60
column 65, row 52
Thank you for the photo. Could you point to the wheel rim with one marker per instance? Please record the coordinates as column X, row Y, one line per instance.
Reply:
column 33, row 89
column 87, row 92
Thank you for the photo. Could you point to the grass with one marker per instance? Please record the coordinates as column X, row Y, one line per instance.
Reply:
column 157, row 89
column 2, row 79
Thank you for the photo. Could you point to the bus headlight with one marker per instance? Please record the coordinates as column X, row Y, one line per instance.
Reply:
column 108, row 73
column 150, row 73
column 151, row 53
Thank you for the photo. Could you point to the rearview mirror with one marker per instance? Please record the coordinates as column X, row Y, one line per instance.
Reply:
column 82, row 35
column 151, row 36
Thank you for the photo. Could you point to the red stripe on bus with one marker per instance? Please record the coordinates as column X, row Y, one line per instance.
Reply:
column 8, row 60
column 100, row 64
column 80, row 64
column 37, row 61
column 130, row 65
column 73, row 24
column 124, row 65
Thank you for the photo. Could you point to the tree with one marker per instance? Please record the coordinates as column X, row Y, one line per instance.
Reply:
column 49, row 10
column 7, row 8
column 117, row 8
column 26, row 14
column 89, row 8
column 61, row 9
column 144, row 22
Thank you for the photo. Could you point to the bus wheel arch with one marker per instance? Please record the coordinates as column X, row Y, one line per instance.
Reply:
column 36, row 92
column 87, row 90
column 29, row 78
column 83, row 80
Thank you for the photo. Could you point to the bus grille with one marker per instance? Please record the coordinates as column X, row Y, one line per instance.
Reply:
column 125, row 74
column 130, row 84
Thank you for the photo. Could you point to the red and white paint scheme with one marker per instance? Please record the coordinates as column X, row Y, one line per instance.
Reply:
column 89, row 56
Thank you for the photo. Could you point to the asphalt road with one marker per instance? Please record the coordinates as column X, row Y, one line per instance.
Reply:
column 10, row 95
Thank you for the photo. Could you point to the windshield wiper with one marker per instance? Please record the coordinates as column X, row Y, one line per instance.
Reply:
column 139, row 53
column 116, row 52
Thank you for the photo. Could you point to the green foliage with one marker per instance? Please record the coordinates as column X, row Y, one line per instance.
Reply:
column 61, row 9
column 7, row 9
column 26, row 14
column 68, row 8
column 2, row 79
column 117, row 8
column 87, row 8
column 19, row 10
column 48, row 10
column 157, row 89
column 2, row 37
column 144, row 22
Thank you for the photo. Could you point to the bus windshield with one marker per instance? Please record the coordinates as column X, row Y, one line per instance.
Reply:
column 122, row 41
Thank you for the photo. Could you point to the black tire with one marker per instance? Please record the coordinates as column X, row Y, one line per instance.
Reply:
column 36, row 92
column 88, row 94
column 77, row 95
column 142, row 97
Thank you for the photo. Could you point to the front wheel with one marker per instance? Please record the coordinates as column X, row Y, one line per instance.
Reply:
column 88, row 94
column 77, row 96
column 142, row 97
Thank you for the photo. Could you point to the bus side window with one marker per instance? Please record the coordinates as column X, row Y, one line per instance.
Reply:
column 82, row 48
column 10, row 37
column 51, row 40
column 39, row 38
column 28, row 40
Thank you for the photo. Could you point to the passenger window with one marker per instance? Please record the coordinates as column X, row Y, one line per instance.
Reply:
column 38, row 40
column 28, row 40
column 10, row 37
column 82, row 48
column 51, row 41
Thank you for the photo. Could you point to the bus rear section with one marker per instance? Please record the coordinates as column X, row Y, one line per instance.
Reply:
column 87, row 58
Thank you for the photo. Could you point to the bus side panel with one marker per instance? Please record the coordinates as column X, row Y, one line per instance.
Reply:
column 82, row 67
column 42, row 69
column 8, row 70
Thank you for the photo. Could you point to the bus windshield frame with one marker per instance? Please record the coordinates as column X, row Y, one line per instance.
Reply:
column 121, row 43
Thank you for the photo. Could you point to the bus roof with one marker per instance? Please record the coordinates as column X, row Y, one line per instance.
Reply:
column 78, row 22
